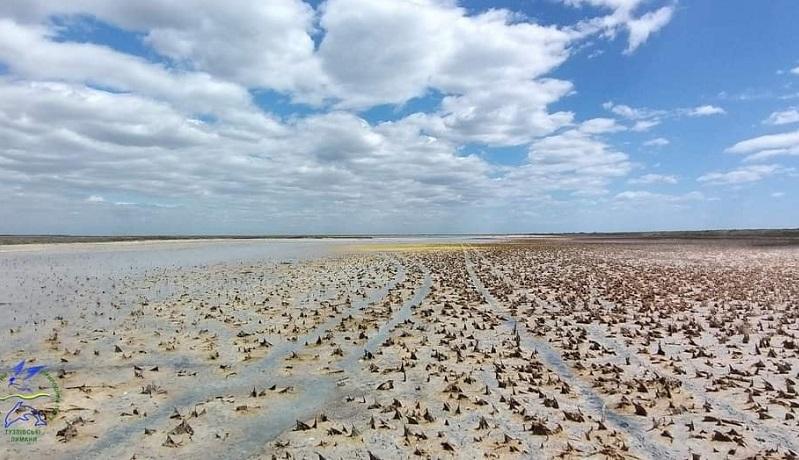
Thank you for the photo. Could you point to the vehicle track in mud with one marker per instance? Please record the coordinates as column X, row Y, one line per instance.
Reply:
column 282, row 416
column 554, row 361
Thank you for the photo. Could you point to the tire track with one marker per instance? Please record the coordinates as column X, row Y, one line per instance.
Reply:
column 773, row 434
column 635, row 430
column 116, row 440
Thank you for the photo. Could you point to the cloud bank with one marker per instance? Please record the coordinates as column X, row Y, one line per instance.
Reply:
column 162, row 140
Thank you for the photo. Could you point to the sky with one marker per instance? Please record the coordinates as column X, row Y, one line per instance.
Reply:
column 397, row 116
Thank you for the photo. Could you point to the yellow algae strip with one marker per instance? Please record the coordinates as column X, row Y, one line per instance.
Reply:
column 409, row 247
column 25, row 397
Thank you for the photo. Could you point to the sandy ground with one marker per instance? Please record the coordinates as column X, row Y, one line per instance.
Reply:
column 537, row 348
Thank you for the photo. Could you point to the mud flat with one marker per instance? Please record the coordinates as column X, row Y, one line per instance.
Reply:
column 528, row 348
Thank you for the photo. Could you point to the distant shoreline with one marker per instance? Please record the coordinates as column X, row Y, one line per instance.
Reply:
column 6, row 240
column 695, row 234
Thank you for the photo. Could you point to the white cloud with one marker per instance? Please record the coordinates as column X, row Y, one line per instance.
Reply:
column 182, row 133
column 705, row 110
column 640, row 196
column 795, row 71
column 782, row 118
column 150, row 157
column 626, row 5
column 382, row 52
column 741, row 175
column 370, row 52
column 641, row 28
column 575, row 160
column 486, row 64
column 99, row 117
column 578, row 149
column 100, row 143
column 509, row 115
column 768, row 146
column 600, row 126
column 250, row 43
column 768, row 142
column 644, row 118
column 30, row 53
column 632, row 113
column 648, row 179
column 778, row 194
column 644, row 125
column 390, row 52
column 657, row 142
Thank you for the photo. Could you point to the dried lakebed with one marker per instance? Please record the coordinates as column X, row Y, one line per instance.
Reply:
column 541, row 348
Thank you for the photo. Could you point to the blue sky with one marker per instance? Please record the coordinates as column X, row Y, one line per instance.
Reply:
column 365, row 116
